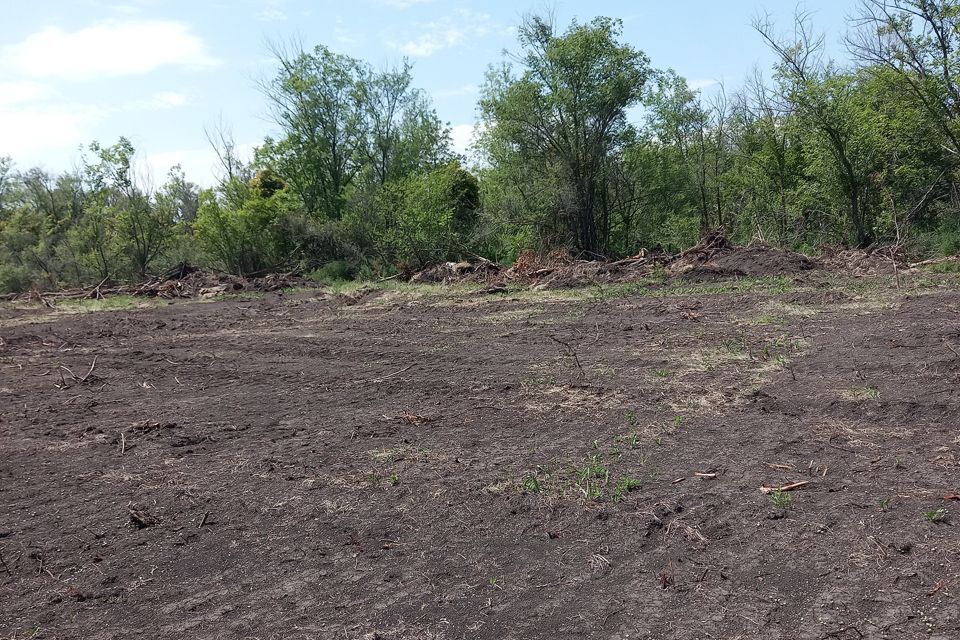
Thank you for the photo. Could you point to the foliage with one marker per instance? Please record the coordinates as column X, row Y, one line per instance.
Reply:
column 563, row 119
column 244, row 239
column 582, row 146
column 424, row 218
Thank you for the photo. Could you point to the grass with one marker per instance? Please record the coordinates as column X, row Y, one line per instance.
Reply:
column 936, row 515
column 781, row 499
column 592, row 479
column 110, row 303
column 531, row 484
column 864, row 393
column 944, row 267
column 654, row 288
column 624, row 486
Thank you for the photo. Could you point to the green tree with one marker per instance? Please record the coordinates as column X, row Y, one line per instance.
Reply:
column 428, row 217
column 566, row 113
column 820, row 96
column 248, row 238
column 316, row 99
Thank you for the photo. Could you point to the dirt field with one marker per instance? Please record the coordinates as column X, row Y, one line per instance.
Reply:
column 428, row 463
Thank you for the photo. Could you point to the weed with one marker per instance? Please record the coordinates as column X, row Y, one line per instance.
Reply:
column 540, row 381
column 109, row 303
column 936, row 515
column 768, row 319
column 593, row 477
column 677, row 421
column 885, row 503
column 634, row 440
column 604, row 370
column 394, row 479
column 531, row 483
column 662, row 373
column 735, row 347
column 781, row 499
column 944, row 267
column 659, row 274
column 625, row 486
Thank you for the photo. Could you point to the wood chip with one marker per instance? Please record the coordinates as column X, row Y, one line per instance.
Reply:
column 786, row 487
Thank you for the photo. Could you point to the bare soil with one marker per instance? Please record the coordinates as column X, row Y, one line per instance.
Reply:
column 428, row 463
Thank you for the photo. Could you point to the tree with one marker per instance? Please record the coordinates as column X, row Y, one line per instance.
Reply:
column 403, row 134
column 567, row 111
column 128, row 215
column 820, row 96
column 918, row 40
column 428, row 217
column 248, row 238
column 316, row 99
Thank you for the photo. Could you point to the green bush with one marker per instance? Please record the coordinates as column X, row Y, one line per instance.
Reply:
column 14, row 279
column 427, row 218
column 248, row 238
column 334, row 271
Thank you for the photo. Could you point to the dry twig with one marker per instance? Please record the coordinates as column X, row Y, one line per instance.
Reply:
column 786, row 487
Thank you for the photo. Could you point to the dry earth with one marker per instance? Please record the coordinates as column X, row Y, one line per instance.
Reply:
column 421, row 462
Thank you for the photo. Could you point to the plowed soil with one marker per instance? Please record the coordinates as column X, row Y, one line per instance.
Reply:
column 425, row 463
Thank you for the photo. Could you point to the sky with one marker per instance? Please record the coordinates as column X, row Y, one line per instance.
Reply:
column 160, row 72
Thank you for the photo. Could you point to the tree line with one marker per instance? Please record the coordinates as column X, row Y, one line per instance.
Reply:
column 582, row 144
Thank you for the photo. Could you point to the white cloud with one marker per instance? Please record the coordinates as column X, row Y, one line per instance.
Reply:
column 703, row 83
column 446, row 33
column 271, row 10
column 36, row 129
column 464, row 136
column 200, row 165
column 23, row 92
column 457, row 92
column 271, row 15
column 429, row 43
column 168, row 100
column 403, row 4
column 34, row 125
column 107, row 49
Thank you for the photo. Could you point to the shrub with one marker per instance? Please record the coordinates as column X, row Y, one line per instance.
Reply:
column 14, row 279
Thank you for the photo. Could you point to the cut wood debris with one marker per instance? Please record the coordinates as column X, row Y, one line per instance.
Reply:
column 787, row 487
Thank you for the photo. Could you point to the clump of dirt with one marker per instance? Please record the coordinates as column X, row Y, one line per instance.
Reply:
column 191, row 282
column 712, row 259
column 584, row 273
column 182, row 281
column 751, row 261
column 483, row 271
column 860, row 262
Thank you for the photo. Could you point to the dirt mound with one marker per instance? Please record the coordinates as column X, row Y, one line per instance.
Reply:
column 750, row 261
column 713, row 258
column 182, row 281
column 192, row 282
column 859, row 262
column 584, row 273
column 483, row 271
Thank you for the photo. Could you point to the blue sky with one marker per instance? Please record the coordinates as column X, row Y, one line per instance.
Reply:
column 159, row 71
